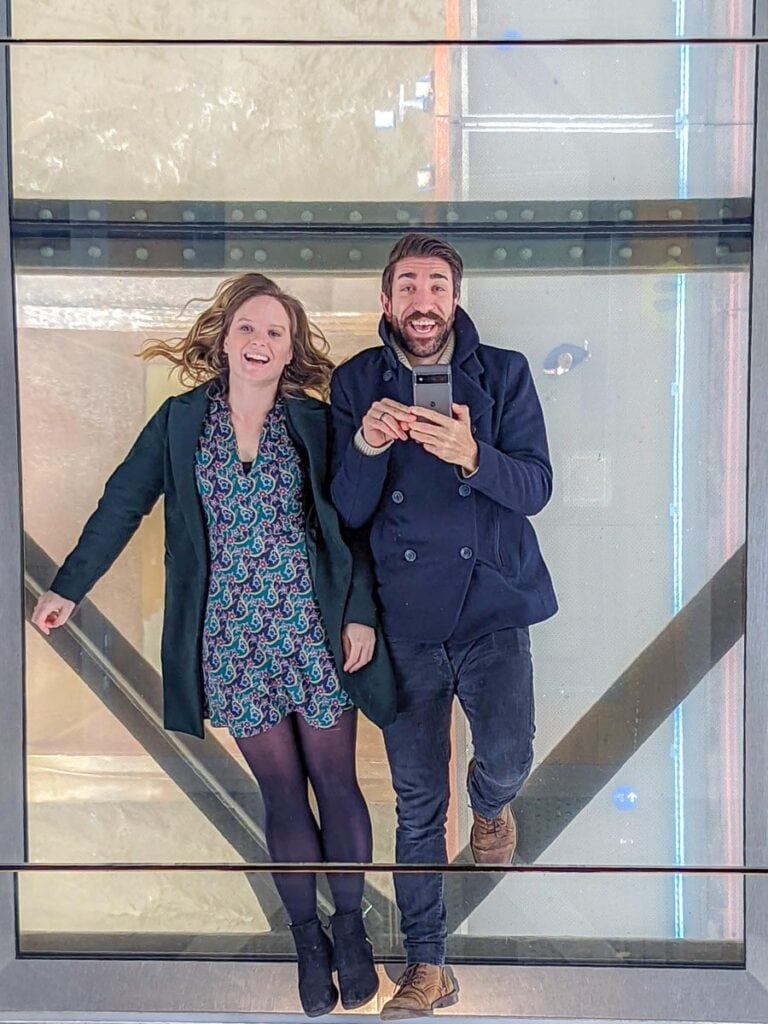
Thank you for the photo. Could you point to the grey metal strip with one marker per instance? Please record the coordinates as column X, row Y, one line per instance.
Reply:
column 756, row 698
column 12, row 631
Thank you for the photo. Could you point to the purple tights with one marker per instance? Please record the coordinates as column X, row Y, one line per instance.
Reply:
column 284, row 759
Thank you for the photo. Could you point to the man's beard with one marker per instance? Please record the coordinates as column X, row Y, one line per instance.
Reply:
column 415, row 346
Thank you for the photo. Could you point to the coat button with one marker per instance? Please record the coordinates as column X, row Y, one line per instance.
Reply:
column 409, row 555
column 387, row 375
column 465, row 490
column 397, row 497
column 466, row 552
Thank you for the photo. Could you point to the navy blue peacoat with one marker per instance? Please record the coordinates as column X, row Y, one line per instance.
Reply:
column 432, row 531
column 162, row 462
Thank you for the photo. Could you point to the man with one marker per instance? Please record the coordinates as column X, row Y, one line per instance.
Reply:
column 458, row 570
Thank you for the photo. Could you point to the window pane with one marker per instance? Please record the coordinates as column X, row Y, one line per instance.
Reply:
column 416, row 123
column 372, row 19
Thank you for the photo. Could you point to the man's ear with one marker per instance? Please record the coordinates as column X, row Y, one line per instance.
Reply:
column 386, row 304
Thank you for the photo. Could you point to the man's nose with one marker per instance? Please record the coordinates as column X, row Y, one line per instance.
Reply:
column 423, row 300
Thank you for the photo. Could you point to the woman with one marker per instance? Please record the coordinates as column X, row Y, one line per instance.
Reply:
column 269, row 622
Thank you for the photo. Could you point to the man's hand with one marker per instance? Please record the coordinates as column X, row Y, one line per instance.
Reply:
column 385, row 421
column 450, row 439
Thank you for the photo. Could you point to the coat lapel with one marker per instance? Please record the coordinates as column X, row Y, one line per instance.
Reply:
column 467, row 372
column 308, row 426
column 185, row 423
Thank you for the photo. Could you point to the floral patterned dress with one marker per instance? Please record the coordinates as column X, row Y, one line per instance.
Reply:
column 265, row 649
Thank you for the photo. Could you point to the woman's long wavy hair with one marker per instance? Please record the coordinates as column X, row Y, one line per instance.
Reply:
column 200, row 354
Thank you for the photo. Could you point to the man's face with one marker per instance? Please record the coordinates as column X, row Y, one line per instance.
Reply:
column 422, row 305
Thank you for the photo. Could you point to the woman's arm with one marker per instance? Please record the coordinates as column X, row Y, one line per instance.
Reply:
column 129, row 494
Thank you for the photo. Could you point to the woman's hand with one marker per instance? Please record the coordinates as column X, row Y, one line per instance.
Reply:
column 358, row 643
column 52, row 610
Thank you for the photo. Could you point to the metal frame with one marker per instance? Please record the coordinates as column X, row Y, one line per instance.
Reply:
column 58, row 989
column 569, row 236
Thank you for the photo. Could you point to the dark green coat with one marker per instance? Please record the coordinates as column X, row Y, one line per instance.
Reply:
column 162, row 462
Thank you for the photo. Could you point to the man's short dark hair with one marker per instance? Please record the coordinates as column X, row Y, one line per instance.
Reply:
column 415, row 244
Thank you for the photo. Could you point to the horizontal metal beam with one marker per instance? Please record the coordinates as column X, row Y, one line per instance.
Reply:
column 355, row 238
column 487, row 949
column 143, row 251
column 400, row 216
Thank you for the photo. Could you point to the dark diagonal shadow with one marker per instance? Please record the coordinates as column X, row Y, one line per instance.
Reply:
column 581, row 764
column 204, row 770
column 617, row 725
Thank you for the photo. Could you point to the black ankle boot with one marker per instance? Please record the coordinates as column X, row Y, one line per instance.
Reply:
column 317, row 992
column 353, row 959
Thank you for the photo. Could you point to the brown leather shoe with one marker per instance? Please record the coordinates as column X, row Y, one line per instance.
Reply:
column 494, row 840
column 421, row 989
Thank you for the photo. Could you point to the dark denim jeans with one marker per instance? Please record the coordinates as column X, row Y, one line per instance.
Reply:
column 493, row 679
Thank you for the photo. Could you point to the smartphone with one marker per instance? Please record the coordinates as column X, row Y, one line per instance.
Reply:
column 432, row 388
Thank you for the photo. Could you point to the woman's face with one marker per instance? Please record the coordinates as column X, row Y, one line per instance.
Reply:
column 258, row 344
